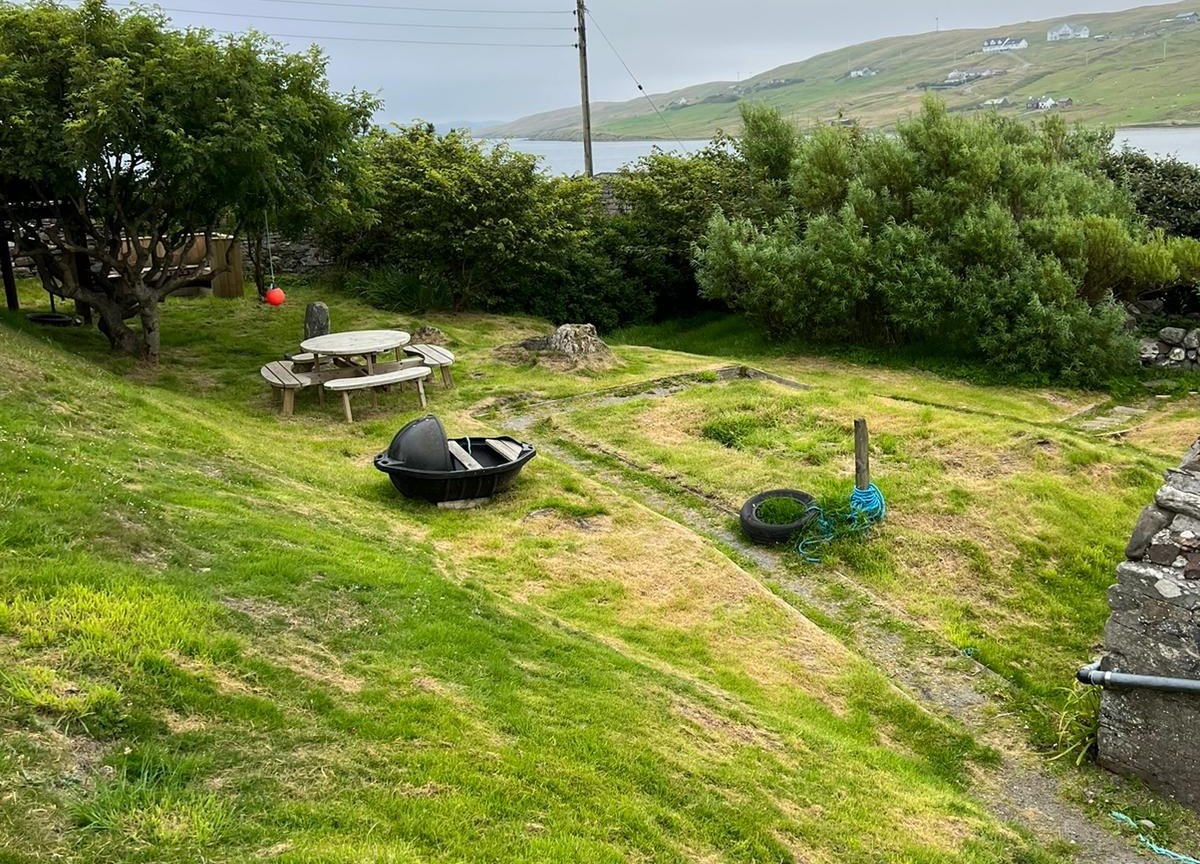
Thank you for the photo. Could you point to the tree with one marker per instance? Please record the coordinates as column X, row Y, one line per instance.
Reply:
column 130, row 141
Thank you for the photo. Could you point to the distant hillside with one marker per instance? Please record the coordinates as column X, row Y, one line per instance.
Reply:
column 1139, row 66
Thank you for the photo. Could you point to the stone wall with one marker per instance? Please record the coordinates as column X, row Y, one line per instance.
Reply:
column 1175, row 348
column 1154, row 629
column 294, row 257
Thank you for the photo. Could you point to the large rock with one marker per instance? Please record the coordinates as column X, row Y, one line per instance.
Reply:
column 578, row 340
column 429, row 336
column 1172, row 335
column 316, row 320
column 1192, row 340
column 1149, row 523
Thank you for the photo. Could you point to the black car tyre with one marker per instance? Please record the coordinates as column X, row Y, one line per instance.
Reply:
column 764, row 532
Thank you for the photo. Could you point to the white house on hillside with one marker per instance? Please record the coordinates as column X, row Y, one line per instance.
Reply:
column 864, row 72
column 1004, row 43
column 1067, row 31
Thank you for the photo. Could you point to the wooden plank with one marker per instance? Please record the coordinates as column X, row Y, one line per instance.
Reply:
column 362, row 382
column 862, row 456
column 279, row 374
column 507, row 449
column 467, row 460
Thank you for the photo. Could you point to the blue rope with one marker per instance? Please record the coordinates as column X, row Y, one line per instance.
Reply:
column 867, row 508
column 1150, row 844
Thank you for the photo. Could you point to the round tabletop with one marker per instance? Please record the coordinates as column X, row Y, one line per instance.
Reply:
column 354, row 342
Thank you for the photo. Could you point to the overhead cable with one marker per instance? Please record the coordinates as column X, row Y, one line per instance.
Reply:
column 323, row 38
column 424, row 8
column 633, row 77
column 363, row 23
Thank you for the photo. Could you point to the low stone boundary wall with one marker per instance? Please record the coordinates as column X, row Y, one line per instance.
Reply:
column 1175, row 348
column 1154, row 629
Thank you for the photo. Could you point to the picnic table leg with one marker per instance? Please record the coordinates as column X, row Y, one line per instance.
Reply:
column 371, row 371
column 289, row 402
column 320, row 384
column 421, row 392
column 346, row 406
column 446, row 379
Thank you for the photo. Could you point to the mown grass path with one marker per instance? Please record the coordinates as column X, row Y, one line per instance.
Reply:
column 223, row 637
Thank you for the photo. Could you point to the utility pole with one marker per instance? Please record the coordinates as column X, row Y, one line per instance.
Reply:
column 581, row 30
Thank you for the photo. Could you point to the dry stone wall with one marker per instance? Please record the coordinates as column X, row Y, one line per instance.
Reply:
column 1175, row 348
column 1154, row 629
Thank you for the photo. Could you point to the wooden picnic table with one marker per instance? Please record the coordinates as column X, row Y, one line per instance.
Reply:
column 368, row 344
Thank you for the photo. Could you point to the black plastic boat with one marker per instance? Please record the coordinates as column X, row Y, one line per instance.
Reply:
column 423, row 463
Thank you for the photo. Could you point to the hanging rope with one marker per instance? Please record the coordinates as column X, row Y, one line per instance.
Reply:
column 1150, row 844
column 270, row 257
column 867, row 508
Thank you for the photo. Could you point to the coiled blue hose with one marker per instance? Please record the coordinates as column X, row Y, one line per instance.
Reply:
column 867, row 508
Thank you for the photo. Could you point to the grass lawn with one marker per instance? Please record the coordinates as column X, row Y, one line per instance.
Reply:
column 223, row 637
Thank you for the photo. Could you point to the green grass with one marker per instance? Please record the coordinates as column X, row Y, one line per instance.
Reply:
column 1006, row 522
column 225, row 638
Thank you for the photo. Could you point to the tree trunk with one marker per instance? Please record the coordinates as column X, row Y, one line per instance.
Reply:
column 256, row 255
column 120, row 336
column 151, row 341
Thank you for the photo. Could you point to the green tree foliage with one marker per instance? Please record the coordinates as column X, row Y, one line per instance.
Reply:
column 1165, row 190
column 664, row 204
column 483, row 224
column 134, row 139
column 981, row 237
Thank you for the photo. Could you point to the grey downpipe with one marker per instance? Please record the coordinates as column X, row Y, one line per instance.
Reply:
column 1091, row 674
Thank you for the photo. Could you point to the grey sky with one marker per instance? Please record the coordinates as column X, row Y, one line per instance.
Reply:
column 667, row 43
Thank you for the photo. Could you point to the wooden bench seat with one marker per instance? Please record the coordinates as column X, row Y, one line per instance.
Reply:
column 464, row 458
column 510, row 451
column 344, row 386
column 435, row 357
column 282, row 377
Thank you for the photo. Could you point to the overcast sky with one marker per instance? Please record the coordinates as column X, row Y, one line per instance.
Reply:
column 666, row 43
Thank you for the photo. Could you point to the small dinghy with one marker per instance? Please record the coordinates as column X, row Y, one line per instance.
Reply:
column 423, row 463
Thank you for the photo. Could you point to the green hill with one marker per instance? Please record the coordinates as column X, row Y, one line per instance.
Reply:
column 1139, row 67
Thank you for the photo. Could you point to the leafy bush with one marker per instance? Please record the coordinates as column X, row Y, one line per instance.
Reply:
column 664, row 204
column 1165, row 190
column 981, row 238
column 478, row 224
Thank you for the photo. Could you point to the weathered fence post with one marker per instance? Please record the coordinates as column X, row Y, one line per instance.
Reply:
column 862, row 455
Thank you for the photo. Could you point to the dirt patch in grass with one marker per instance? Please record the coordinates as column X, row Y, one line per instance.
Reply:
column 724, row 729
column 222, row 679
column 1169, row 435
column 311, row 660
column 339, row 613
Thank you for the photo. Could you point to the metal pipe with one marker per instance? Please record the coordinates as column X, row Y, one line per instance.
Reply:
column 1091, row 674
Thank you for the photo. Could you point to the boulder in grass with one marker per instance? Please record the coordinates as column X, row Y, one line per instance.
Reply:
column 429, row 336
column 571, row 346
column 316, row 320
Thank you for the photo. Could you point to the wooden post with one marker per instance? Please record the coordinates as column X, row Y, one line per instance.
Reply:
column 581, row 32
column 862, row 456
column 6, row 265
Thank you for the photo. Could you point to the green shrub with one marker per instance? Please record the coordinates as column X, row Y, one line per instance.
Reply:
column 980, row 238
column 1165, row 190
column 475, row 225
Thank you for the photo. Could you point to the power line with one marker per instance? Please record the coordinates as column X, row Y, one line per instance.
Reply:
column 634, row 78
column 421, row 8
column 324, row 38
column 363, row 23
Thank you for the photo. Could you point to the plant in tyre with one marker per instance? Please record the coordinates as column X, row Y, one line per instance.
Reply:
column 127, row 141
